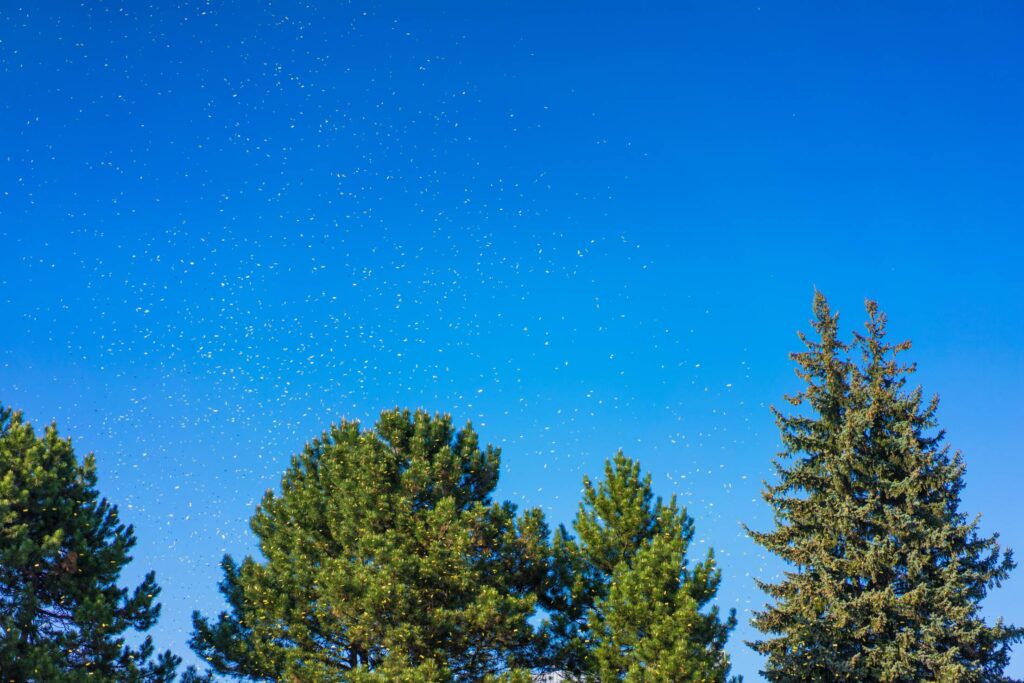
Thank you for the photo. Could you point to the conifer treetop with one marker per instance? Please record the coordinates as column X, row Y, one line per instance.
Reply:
column 887, row 574
column 63, row 614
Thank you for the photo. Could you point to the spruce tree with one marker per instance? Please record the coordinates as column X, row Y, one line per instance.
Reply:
column 384, row 558
column 886, row 573
column 625, row 604
column 62, row 614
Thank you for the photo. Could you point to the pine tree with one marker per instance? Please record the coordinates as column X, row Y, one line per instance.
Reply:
column 62, row 549
column 625, row 604
column 384, row 559
column 886, row 573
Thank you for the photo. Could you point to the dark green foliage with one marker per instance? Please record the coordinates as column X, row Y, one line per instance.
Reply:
column 192, row 675
column 625, row 603
column 385, row 559
column 62, row 549
column 887, row 574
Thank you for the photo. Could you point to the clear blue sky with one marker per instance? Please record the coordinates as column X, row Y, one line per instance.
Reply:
column 224, row 225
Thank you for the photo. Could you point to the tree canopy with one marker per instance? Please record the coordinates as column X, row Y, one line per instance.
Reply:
column 384, row 558
column 63, row 615
column 626, row 605
column 886, row 574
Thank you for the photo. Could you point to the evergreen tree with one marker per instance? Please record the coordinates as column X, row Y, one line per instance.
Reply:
column 384, row 559
column 625, row 605
column 62, row 549
column 886, row 573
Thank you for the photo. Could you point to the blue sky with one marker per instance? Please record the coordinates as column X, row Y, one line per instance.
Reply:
column 582, row 226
